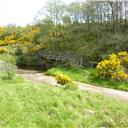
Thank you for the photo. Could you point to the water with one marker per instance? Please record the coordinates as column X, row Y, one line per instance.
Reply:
column 31, row 67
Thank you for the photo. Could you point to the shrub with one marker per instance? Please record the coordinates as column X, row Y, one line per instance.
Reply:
column 3, row 50
column 10, row 71
column 71, row 86
column 123, row 57
column 62, row 79
column 115, row 67
column 7, row 70
column 120, row 76
column 8, row 58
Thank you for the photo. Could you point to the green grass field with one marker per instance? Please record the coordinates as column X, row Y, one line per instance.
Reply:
column 87, row 76
column 25, row 105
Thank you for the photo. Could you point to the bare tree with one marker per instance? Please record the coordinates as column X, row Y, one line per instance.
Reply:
column 55, row 10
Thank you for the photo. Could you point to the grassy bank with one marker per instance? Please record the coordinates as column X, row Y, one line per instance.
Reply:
column 87, row 76
column 25, row 104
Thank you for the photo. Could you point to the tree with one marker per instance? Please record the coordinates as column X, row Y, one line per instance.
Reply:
column 54, row 10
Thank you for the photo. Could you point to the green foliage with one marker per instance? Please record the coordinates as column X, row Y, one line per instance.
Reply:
column 115, row 67
column 16, row 80
column 8, row 58
column 8, row 71
column 91, row 42
column 26, row 104
column 71, row 86
column 78, row 27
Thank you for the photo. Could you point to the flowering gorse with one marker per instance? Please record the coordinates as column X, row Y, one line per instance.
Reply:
column 115, row 67
column 62, row 78
column 3, row 50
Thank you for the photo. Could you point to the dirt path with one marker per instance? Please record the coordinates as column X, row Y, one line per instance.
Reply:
column 37, row 76
column 41, row 78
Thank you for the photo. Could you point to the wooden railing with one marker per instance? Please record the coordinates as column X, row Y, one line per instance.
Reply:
column 69, row 56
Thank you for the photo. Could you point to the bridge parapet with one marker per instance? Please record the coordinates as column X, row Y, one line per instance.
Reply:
column 70, row 56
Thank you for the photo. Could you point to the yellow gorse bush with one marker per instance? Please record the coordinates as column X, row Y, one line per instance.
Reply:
column 62, row 78
column 123, row 57
column 3, row 50
column 120, row 76
column 115, row 67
